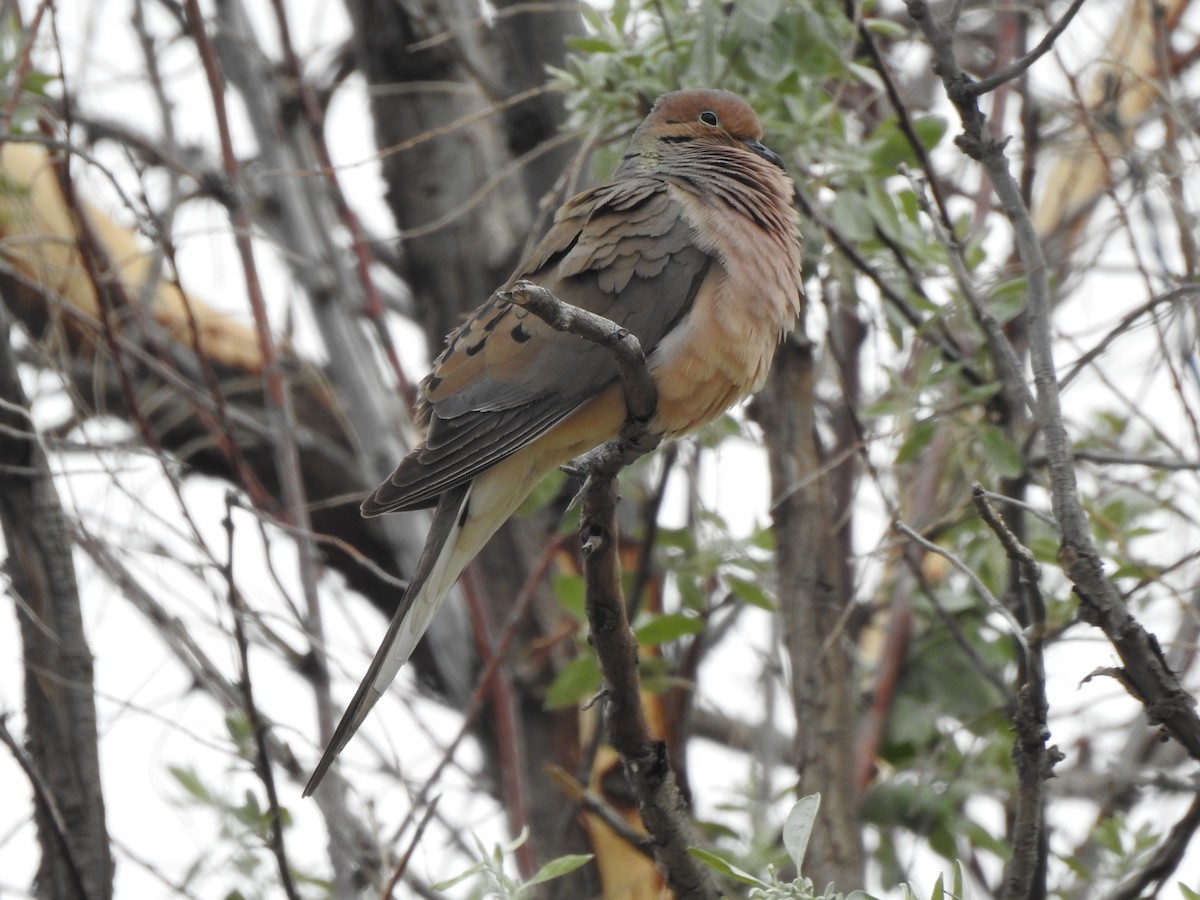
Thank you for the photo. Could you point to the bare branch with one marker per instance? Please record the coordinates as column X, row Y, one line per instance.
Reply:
column 976, row 582
column 645, row 758
column 590, row 801
column 262, row 761
column 1017, row 67
column 48, row 806
column 1034, row 760
column 60, row 706
column 402, row 864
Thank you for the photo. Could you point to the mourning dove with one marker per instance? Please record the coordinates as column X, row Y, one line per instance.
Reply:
column 693, row 247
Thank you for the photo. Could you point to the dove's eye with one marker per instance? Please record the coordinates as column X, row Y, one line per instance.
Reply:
column 708, row 117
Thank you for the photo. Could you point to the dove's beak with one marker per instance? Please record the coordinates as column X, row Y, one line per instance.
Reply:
column 766, row 153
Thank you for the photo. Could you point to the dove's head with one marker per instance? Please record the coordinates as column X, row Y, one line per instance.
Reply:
column 684, row 121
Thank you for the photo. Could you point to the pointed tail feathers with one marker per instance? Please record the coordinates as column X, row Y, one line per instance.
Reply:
column 437, row 570
column 465, row 519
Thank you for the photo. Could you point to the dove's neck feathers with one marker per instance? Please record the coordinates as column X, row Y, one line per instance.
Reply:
column 705, row 144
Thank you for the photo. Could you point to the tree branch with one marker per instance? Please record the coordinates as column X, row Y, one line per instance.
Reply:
column 658, row 797
column 60, row 708
column 1018, row 66
column 1147, row 675
column 55, row 824
column 258, row 726
column 1034, row 760
column 1165, row 859
column 641, row 396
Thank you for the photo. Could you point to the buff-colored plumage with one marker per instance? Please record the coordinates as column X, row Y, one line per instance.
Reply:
column 693, row 246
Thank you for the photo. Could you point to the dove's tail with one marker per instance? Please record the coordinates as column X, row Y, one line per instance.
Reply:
column 431, row 581
column 465, row 518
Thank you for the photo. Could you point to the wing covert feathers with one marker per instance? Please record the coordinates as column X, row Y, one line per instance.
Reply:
column 625, row 251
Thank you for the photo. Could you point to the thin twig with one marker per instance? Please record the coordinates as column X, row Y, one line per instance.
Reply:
column 1017, row 67
column 16, row 76
column 262, row 761
column 976, row 582
column 374, row 307
column 591, row 802
column 208, row 677
column 483, row 684
column 1022, row 505
column 1114, row 458
column 900, row 109
column 402, row 864
column 1011, row 372
column 937, row 332
column 957, row 635
column 1165, row 859
column 1183, row 292
column 505, row 722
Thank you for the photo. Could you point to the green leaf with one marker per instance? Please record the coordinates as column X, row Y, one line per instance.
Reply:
column 591, row 45
column 1000, row 452
column 942, row 839
column 1187, row 893
column 885, row 28
column 455, row 879
column 666, row 628
column 556, row 868
column 762, row 12
column 939, row 893
column 852, row 217
column 867, row 75
column 726, row 868
column 918, row 438
column 572, row 594
column 798, row 828
column 37, row 82
column 592, row 16
column 240, row 732
column 620, row 12
column 1007, row 298
column 883, row 210
column 191, row 783
column 981, row 392
column 579, row 678
column 750, row 592
column 890, row 147
column 930, row 130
